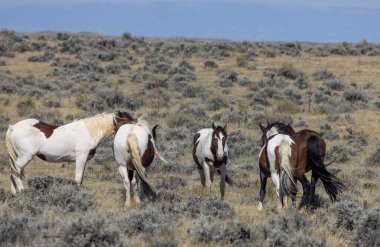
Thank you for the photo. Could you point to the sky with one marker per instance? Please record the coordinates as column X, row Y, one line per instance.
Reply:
column 258, row 20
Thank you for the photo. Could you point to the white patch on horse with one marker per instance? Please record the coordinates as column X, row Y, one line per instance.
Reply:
column 220, row 151
column 273, row 131
column 272, row 145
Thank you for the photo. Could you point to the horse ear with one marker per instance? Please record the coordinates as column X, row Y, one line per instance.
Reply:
column 268, row 123
column 213, row 126
column 154, row 133
column 225, row 127
column 119, row 114
column 263, row 129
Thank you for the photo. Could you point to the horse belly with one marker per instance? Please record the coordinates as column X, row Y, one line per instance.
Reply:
column 57, row 152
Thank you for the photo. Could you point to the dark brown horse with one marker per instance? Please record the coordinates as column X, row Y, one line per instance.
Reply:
column 311, row 153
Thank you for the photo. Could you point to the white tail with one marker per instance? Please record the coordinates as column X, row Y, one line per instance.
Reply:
column 16, row 172
column 286, row 175
column 147, row 188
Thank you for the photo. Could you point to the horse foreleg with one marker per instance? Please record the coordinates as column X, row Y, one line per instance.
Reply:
column 202, row 176
column 80, row 164
column 263, row 181
column 124, row 174
column 223, row 174
column 212, row 173
column 206, row 170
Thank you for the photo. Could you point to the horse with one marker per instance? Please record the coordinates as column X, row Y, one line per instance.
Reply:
column 134, row 149
column 76, row 141
column 311, row 153
column 279, row 159
column 210, row 154
column 281, row 153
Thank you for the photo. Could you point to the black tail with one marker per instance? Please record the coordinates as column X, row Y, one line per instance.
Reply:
column 332, row 184
column 147, row 190
column 228, row 180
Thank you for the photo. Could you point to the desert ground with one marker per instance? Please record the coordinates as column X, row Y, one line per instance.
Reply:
column 185, row 85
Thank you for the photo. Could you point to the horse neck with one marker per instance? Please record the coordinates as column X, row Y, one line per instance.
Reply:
column 100, row 126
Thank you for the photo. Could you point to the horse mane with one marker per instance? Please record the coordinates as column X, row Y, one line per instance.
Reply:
column 281, row 127
column 100, row 124
column 221, row 129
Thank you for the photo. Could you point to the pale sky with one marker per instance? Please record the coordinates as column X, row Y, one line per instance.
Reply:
column 277, row 20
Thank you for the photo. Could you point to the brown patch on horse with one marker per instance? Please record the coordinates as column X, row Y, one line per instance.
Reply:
column 217, row 163
column 264, row 163
column 195, row 145
column 277, row 161
column 45, row 128
column 91, row 154
column 41, row 156
column 148, row 155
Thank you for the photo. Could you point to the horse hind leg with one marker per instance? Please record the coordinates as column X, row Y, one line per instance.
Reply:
column 127, row 185
column 263, row 181
column 17, row 173
column 276, row 181
column 136, row 197
column 306, row 188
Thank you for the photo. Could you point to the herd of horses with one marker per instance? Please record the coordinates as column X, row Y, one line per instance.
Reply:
column 285, row 155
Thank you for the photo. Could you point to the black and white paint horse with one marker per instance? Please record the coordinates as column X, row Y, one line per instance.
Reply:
column 210, row 154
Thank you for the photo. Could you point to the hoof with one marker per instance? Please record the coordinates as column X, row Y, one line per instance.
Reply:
column 127, row 205
column 260, row 207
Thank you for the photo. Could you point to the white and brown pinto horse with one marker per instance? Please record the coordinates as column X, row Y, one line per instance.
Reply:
column 76, row 141
column 311, row 153
column 278, row 160
column 134, row 149
column 210, row 154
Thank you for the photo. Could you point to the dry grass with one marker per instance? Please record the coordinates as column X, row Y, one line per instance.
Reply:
column 358, row 69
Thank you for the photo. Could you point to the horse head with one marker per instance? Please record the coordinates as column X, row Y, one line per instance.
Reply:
column 122, row 118
column 218, row 141
column 274, row 129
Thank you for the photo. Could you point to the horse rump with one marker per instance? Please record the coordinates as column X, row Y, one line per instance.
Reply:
column 331, row 183
column 146, row 188
column 287, row 181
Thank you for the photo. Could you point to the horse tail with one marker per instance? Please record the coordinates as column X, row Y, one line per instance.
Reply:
column 146, row 188
column 332, row 184
column 16, row 173
column 228, row 179
column 287, row 181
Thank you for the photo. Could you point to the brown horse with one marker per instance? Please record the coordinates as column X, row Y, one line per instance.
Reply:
column 311, row 153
